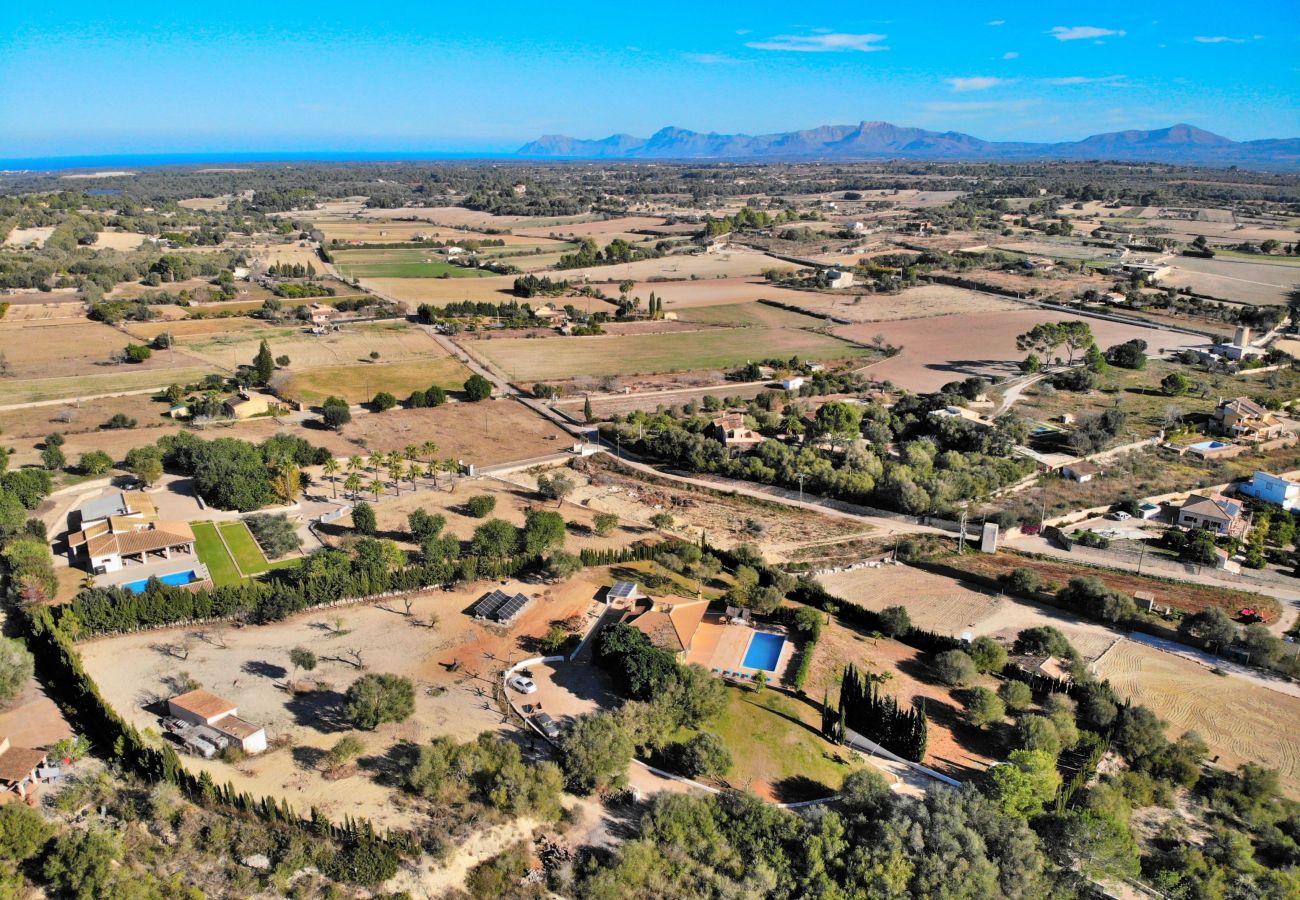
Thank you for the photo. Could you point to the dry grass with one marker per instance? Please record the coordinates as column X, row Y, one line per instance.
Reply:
column 359, row 383
column 686, row 294
column 1240, row 722
column 117, row 240
column 394, row 342
column 913, row 303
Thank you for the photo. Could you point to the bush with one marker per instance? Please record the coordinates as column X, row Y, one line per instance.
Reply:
column 377, row 698
column 136, row 353
column 480, row 505
column 477, row 388
column 23, row 832
column 383, row 401
column 595, row 753
column 363, row 518
column 604, row 523
column 1016, row 695
column 988, row 654
column 704, row 755
column 15, row 669
column 1022, row 581
column 275, row 534
column 336, row 412
column 95, row 462
column 895, row 622
column 955, row 668
column 117, row 421
column 983, row 707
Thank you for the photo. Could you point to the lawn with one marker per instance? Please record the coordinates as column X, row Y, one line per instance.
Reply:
column 213, row 554
column 529, row 360
column 776, row 748
column 359, row 383
column 239, row 540
column 400, row 263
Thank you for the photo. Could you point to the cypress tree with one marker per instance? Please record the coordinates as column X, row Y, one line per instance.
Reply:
column 263, row 365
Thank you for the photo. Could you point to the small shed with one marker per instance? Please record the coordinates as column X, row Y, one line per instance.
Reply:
column 1081, row 471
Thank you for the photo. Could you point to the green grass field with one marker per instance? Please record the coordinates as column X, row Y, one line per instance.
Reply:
column 773, row 739
column 1258, row 258
column 722, row 348
column 248, row 556
column 213, row 554
column 400, row 263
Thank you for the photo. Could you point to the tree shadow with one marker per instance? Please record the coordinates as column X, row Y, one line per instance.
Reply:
column 795, row 788
column 322, row 710
column 263, row 669
column 309, row 758
column 390, row 767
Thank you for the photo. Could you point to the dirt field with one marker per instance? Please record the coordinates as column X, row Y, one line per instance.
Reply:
column 727, row 264
column 208, row 203
column 681, row 295
column 1239, row 721
column 777, row 530
column 1187, row 597
column 117, row 240
column 549, row 358
column 913, row 303
column 467, row 218
column 591, row 229
column 947, row 606
column 29, row 237
column 948, row 348
column 1265, row 284
column 413, row 291
column 61, row 312
column 351, row 345
column 487, row 433
column 954, row 748
column 359, row 383
column 135, row 671
column 612, row 405
column 84, row 348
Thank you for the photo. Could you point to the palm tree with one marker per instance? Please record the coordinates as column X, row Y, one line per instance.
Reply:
column 429, row 448
column 410, row 452
column 331, row 468
column 354, row 463
column 412, row 473
column 376, row 486
column 395, row 472
column 431, row 472
column 352, row 484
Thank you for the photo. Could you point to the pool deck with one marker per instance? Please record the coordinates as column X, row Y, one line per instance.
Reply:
column 180, row 562
column 720, row 646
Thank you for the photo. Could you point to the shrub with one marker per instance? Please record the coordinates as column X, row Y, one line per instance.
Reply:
column 363, row 518
column 1021, row 581
column 480, row 505
column 988, row 654
column 477, row 388
column 275, row 534
column 377, row 698
column 604, row 523
column 119, row 420
column 95, row 462
column 1016, row 695
column 704, row 755
column 983, row 707
column 336, row 412
column 383, row 401
column 955, row 668
column 895, row 622
column 136, row 353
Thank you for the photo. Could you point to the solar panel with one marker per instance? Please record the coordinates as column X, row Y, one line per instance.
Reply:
column 510, row 608
column 488, row 606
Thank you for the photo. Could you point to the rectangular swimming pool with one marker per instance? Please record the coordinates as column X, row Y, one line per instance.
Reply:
column 763, row 652
column 174, row 578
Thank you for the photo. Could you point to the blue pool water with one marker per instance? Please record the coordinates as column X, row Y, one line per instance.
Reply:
column 1209, row 445
column 763, row 652
column 175, row 578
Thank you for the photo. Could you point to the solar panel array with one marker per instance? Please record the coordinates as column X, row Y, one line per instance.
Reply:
column 499, row 606
column 622, row 590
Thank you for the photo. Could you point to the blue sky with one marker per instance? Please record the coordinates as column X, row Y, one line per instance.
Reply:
column 142, row 76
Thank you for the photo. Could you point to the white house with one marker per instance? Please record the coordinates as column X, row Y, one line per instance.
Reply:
column 124, row 529
column 201, row 708
column 1272, row 489
column 838, row 278
column 793, row 383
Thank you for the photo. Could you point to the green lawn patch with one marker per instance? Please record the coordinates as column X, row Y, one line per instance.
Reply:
column 213, row 554
column 776, row 747
column 248, row 555
column 399, row 263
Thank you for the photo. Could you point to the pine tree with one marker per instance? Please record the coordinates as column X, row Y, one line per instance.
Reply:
column 263, row 365
column 587, row 413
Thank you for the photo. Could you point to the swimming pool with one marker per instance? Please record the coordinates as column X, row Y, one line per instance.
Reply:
column 174, row 578
column 1209, row 445
column 763, row 652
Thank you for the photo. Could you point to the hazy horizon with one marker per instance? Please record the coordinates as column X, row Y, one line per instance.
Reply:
column 152, row 78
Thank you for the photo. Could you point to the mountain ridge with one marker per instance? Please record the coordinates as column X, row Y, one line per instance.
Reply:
column 1180, row 143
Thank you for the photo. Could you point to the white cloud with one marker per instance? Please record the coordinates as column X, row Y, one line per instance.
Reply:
column 996, row 22
column 743, row 31
column 1011, row 54
column 710, row 59
column 975, row 83
column 827, row 42
column 1086, row 79
column 1082, row 32
column 1219, row 39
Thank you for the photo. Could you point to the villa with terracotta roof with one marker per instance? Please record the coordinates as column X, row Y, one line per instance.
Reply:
column 1246, row 420
column 124, row 529
column 670, row 622
column 204, row 712
column 18, row 772
column 734, row 434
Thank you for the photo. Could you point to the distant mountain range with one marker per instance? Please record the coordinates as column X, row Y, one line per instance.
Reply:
column 881, row 140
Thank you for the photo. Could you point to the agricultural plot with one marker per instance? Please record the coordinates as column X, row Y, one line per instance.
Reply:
column 359, row 383
column 1239, row 721
column 20, row 314
column 440, row 291
column 941, row 349
column 460, row 217
column 606, row 227
column 527, row 361
column 117, row 240
column 687, row 294
column 76, row 348
column 1259, row 283
column 1057, row 250
column 416, row 262
column 29, row 237
column 352, row 345
column 913, row 303
column 727, row 264
column 743, row 315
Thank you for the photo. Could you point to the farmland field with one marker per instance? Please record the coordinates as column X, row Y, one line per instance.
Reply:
column 1240, row 722
column 487, row 433
column 685, row 294
column 1254, row 282
column 359, row 383
column 941, row 349
column 750, row 314
column 393, row 342
column 914, row 303
column 415, row 262
column 496, row 289
column 532, row 360
column 33, row 390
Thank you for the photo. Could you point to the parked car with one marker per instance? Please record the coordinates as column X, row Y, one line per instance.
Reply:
column 549, row 726
column 522, row 684
column 1119, row 516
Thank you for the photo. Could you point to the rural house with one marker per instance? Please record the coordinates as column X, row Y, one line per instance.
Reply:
column 246, row 406
column 1246, row 420
column 837, row 278
column 123, row 529
column 1213, row 512
column 670, row 622
column 203, row 718
column 734, row 434
column 1272, row 489
column 1043, row 666
column 19, row 779
column 1081, row 471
